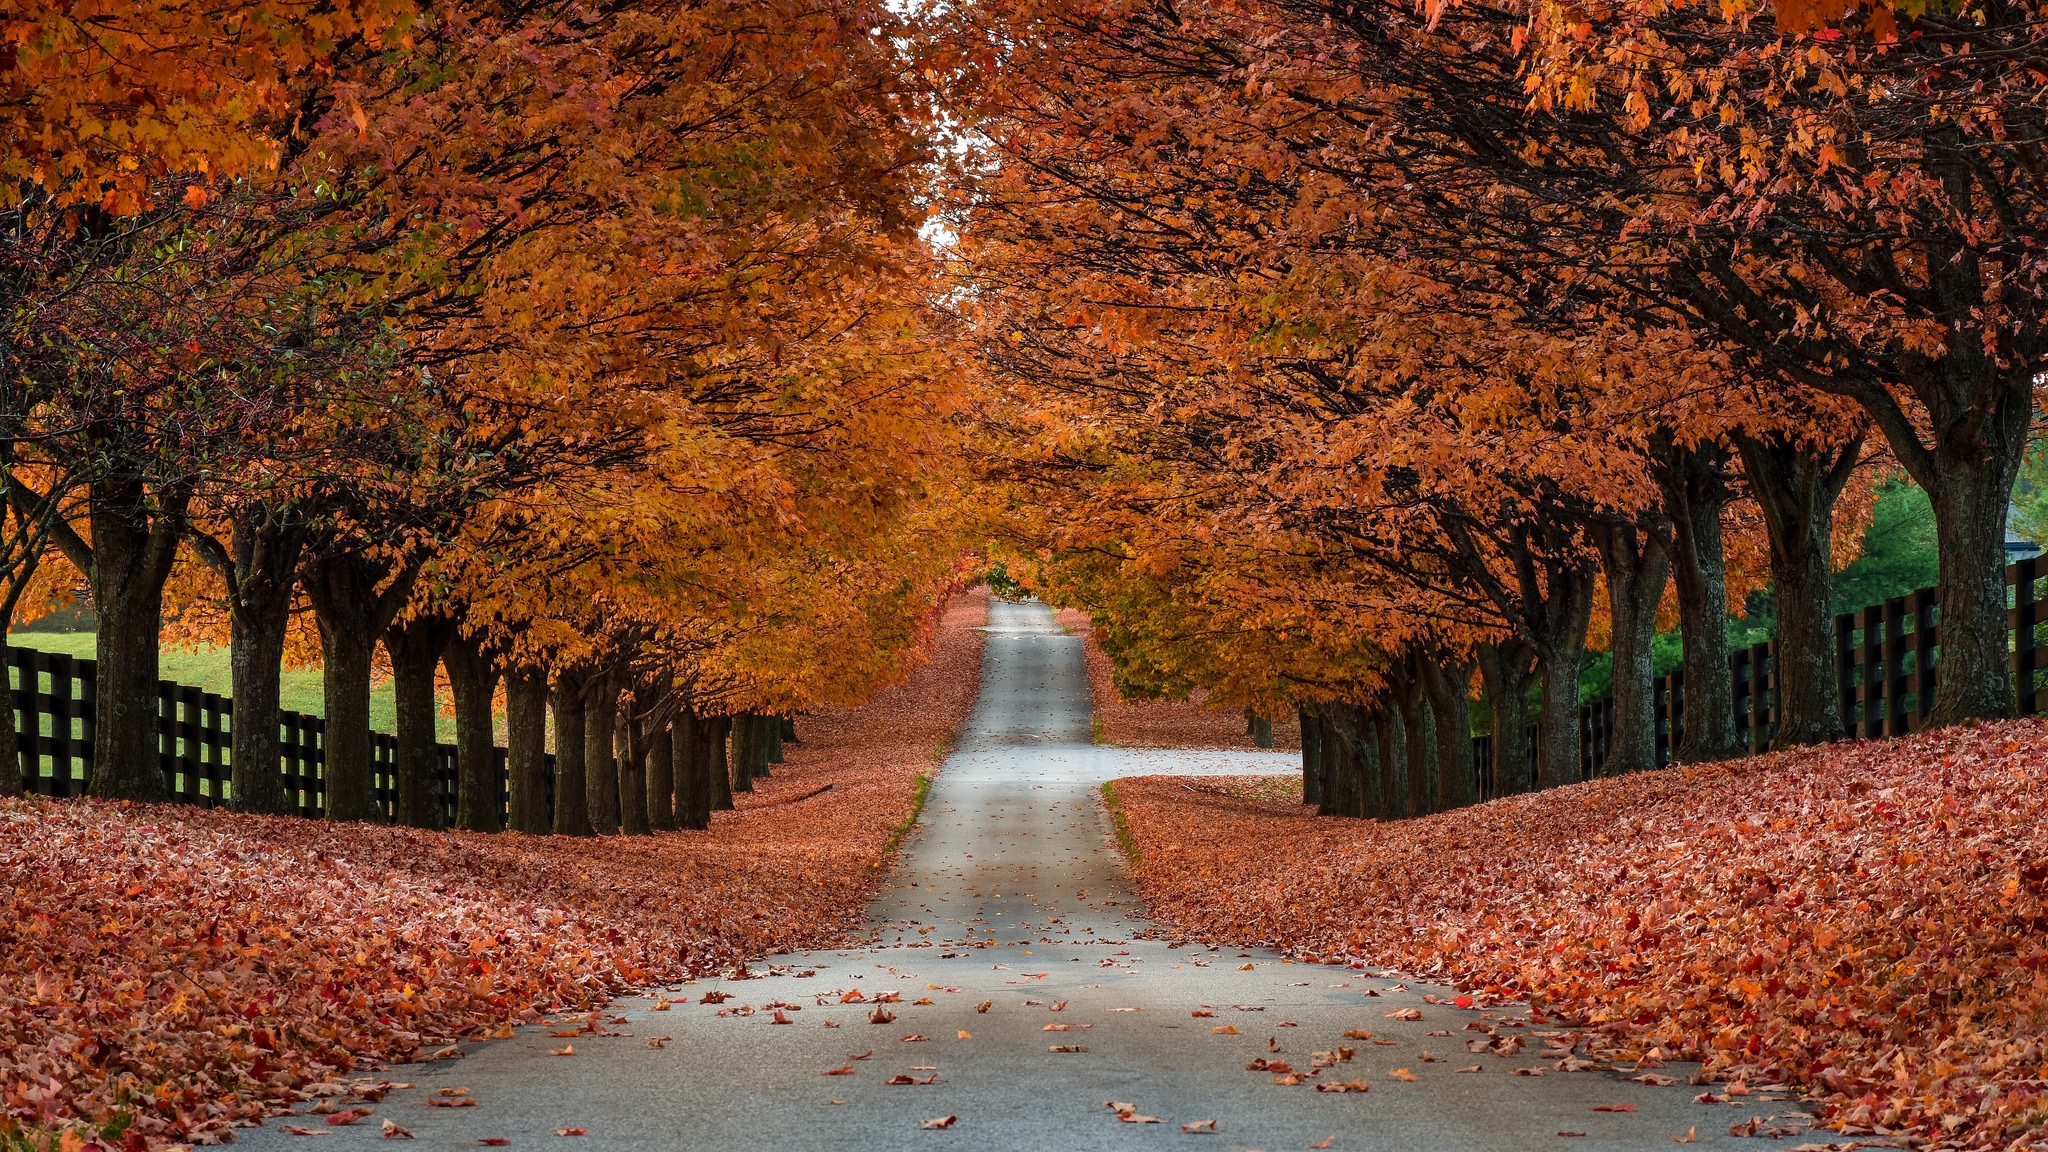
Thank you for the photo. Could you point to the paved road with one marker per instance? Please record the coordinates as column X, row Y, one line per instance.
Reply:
column 1011, row 895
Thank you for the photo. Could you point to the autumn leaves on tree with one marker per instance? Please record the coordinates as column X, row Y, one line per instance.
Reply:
column 1342, row 351
column 599, row 357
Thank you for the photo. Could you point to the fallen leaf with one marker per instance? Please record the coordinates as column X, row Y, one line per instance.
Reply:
column 564, row 1050
column 1404, row 1014
column 1571, row 1133
column 1343, row 1086
column 454, row 1102
column 881, row 1015
column 1246, row 967
column 964, row 1034
column 570, row 1132
column 1692, row 1134
column 1199, row 1126
column 494, row 1142
column 1474, row 1068
column 1614, row 1107
column 392, row 1131
column 914, row 1038
column 659, row 1041
column 940, row 1122
column 1357, row 1034
column 845, row 1070
column 902, row 1078
column 1068, row 1048
column 984, row 1006
column 1403, row 1074
column 348, row 1117
column 1325, row 1142
column 295, row 1130
column 1226, row 1030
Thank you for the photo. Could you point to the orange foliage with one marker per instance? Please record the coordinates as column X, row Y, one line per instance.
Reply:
column 1867, row 921
column 1164, row 723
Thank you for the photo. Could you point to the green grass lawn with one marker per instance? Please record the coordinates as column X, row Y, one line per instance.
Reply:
column 208, row 668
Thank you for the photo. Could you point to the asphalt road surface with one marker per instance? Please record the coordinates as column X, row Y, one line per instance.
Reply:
column 1024, row 999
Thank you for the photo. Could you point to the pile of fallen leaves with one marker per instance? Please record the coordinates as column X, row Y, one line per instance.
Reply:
column 168, row 971
column 1866, row 921
column 1164, row 723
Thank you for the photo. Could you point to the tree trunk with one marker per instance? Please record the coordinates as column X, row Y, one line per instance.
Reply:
column 256, row 640
column 715, row 730
column 1507, row 669
column 526, row 748
column 133, row 549
column 743, row 732
column 631, row 739
column 789, row 730
column 1416, row 733
column 1797, row 489
column 1557, row 626
column 692, row 772
column 1977, row 411
column 260, row 567
column 346, row 657
column 473, row 681
column 661, row 781
column 1311, row 755
column 600, row 723
column 1390, row 799
column 1351, row 771
column 415, row 647
column 1695, row 485
column 13, row 772
column 1262, row 731
column 1637, row 562
column 1974, row 672
column 352, row 611
column 771, row 731
column 572, row 796
column 1448, row 682
column 1337, row 768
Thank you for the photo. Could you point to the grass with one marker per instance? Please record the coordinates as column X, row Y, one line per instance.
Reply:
column 903, row 830
column 207, row 668
column 1118, row 822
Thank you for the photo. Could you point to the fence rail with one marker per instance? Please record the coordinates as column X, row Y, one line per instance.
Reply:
column 53, row 696
column 1887, row 659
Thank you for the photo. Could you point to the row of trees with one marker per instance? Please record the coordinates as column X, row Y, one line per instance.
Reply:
column 1344, row 350
column 593, row 352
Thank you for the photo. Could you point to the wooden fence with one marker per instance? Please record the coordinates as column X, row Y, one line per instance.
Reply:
column 53, row 708
column 1887, row 664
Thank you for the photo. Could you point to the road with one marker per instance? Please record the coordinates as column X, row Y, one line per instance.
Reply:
column 1006, row 934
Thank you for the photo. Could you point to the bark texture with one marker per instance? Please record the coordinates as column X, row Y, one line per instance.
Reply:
column 354, row 599
column 572, row 783
column 526, row 736
column 1636, row 559
column 415, row 647
column 134, row 543
column 1796, row 486
column 1695, row 484
column 600, row 762
column 473, row 681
